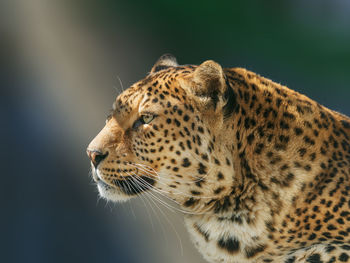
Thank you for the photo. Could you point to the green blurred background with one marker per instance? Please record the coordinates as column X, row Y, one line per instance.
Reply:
column 60, row 66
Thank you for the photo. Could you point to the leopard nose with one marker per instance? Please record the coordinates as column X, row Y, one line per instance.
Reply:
column 96, row 156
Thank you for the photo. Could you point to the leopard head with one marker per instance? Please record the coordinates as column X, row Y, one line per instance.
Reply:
column 163, row 136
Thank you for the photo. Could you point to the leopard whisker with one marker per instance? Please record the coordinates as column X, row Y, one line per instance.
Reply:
column 143, row 200
column 140, row 180
column 169, row 180
column 171, row 224
column 175, row 191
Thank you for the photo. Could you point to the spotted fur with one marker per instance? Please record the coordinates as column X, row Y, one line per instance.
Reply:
column 261, row 171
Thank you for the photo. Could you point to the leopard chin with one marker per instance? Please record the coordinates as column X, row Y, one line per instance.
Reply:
column 112, row 194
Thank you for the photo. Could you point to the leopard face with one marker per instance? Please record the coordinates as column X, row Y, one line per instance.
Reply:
column 158, row 138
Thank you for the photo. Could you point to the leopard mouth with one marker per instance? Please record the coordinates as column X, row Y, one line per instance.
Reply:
column 134, row 185
column 129, row 185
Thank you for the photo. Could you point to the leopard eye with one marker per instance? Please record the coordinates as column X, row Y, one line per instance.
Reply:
column 147, row 118
column 144, row 119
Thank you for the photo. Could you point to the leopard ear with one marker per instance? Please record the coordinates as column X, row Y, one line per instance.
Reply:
column 209, row 80
column 208, row 83
column 164, row 62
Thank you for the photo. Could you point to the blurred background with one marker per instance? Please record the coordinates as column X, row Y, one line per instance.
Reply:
column 60, row 65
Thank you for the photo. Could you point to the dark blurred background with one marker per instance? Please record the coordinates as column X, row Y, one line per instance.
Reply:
column 60, row 65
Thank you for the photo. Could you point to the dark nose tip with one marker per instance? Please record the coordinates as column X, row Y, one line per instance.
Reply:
column 96, row 156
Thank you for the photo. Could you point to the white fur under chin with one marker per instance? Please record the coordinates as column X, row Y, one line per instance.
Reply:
column 111, row 194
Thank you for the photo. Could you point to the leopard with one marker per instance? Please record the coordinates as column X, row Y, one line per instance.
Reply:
column 259, row 171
